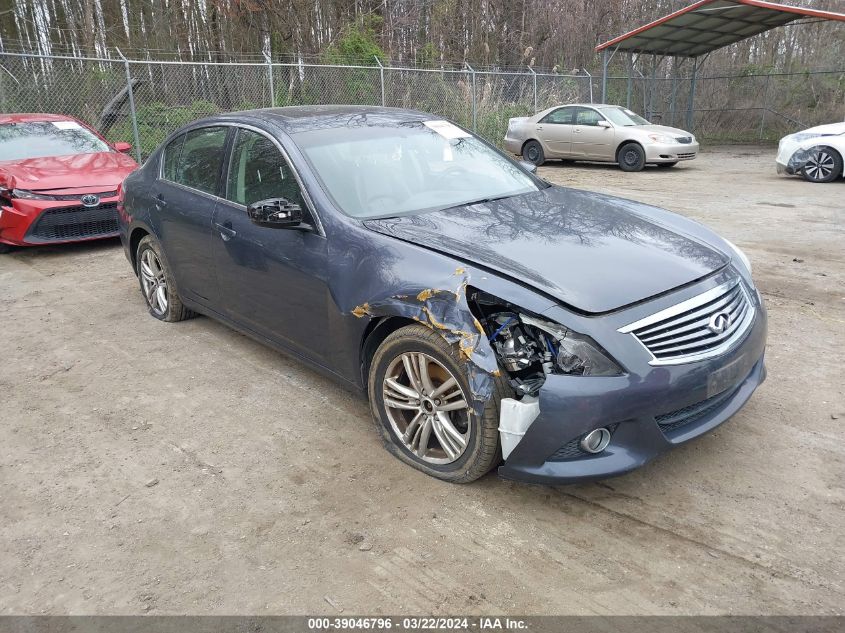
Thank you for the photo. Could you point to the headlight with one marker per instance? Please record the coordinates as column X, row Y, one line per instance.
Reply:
column 30, row 195
column 739, row 253
column 803, row 136
column 574, row 354
column 661, row 138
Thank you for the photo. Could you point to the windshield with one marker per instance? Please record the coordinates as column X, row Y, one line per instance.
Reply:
column 47, row 138
column 401, row 169
column 623, row 117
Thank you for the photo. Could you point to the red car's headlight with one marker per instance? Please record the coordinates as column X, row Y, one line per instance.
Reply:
column 24, row 194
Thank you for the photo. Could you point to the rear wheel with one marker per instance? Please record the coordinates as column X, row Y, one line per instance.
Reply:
column 631, row 157
column 666, row 165
column 422, row 403
column 532, row 151
column 157, row 283
column 823, row 165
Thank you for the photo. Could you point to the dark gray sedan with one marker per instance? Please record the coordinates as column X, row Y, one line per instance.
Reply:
column 490, row 317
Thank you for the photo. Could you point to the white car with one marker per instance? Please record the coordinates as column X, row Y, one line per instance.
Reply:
column 816, row 153
column 597, row 132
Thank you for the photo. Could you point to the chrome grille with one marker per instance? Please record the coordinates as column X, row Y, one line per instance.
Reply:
column 691, row 330
column 686, row 156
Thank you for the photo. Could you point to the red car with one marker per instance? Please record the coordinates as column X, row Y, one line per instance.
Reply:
column 58, row 180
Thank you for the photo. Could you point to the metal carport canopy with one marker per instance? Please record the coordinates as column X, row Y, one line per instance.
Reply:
column 708, row 25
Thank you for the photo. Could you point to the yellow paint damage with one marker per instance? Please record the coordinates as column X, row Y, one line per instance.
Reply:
column 361, row 310
column 425, row 295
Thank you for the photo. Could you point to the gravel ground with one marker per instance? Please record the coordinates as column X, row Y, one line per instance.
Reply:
column 156, row 468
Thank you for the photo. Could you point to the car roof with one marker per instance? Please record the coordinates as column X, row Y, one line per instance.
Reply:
column 295, row 119
column 32, row 117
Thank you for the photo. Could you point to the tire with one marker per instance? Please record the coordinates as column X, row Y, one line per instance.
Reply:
column 631, row 157
column 823, row 165
column 666, row 165
column 533, row 149
column 480, row 451
column 156, row 281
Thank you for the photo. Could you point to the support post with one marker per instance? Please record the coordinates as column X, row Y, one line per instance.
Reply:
column 630, row 80
column 132, row 113
column 269, row 61
column 474, row 99
column 381, row 75
column 605, row 61
column 674, row 98
column 765, row 104
column 534, row 77
column 691, row 104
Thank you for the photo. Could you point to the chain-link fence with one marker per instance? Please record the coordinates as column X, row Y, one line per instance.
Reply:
column 143, row 101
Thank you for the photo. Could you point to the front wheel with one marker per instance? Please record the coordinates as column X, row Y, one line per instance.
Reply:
column 631, row 157
column 422, row 404
column 823, row 165
column 532, row 152
column 157, row 283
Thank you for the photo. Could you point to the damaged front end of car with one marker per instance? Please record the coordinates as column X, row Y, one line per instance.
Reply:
column 497, row 338
column 530, row 348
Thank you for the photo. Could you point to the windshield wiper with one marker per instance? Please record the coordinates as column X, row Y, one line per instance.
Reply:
column 479, row 201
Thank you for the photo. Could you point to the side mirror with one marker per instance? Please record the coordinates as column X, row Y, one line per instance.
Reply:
column 122, row 147
column 604, row 124
column 531, row 168
column 276, row 212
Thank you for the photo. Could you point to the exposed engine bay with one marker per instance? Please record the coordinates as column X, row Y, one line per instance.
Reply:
column 529, row 348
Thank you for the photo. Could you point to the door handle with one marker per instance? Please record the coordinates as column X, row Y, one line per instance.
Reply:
column 539, row 127
column 226, row 232
column 576, row 130
column 160, row 201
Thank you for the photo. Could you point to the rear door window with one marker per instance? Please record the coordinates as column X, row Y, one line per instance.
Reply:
column 170, row 160
column 561, row 116
column 201, row 158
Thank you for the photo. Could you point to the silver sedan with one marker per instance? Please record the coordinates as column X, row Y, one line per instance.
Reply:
column 594, row 132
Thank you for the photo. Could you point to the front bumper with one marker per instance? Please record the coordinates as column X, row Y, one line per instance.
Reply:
column 32, row 222
column 670, row 152
column 649, row 410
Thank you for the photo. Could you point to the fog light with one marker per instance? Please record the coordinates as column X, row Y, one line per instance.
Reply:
column 596, row 441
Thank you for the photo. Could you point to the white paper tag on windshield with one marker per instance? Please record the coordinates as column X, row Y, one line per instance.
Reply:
column 66, row 125
column 446, row 129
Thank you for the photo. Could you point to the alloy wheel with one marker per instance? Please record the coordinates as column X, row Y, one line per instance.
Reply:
column 427, row 408
column 153, row 282
column 820, row 165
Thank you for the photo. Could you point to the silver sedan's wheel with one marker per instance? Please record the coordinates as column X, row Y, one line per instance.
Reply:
column 426, row 407
column 823, row 165
column 154, row 282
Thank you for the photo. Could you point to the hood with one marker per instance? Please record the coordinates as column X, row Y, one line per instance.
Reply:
column 103, row 169
column 662, row 129
column 592, row 252
column 829, row 128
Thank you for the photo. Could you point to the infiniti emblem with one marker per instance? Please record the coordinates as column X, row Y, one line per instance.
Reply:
column 719, row 322
column 90, row 200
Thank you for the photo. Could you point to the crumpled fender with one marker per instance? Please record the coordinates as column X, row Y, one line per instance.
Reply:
column 444, row 309
column 375, row 276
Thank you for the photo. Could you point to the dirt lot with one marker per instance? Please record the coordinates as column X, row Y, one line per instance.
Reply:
column 159, row 468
